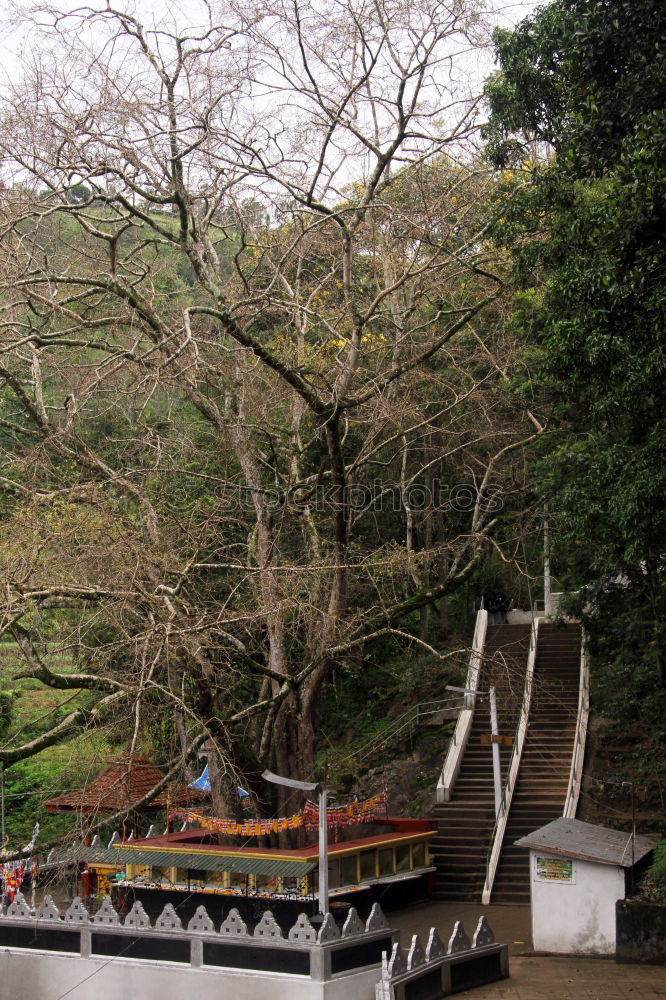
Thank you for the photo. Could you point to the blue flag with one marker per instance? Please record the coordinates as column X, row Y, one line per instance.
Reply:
column 202, row 782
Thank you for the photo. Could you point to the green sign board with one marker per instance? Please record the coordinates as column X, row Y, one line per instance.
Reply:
column 553, row 869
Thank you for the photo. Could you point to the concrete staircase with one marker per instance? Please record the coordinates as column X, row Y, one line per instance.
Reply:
column 466, row 822
column 543, row 777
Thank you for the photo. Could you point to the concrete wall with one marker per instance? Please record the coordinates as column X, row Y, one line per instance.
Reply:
column 45, row 955
column 44, row 976
column 641, row 931
column 576, row 917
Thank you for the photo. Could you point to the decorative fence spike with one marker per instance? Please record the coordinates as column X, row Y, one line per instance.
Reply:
column 329, row 930
column 383, row 987
column 268, row 927
column 114, row 838
column 168, row 919
column 397, row 962
column 96, row 841
column 353, row 924
column 131, row 837
column 201, row 921
column 435, row 947
column 137, row 916
column 376, row 920
column 386, row 975
column 47, row 910
column 416, row 954
column 483, row 934
column 184, row 827
column 458, row 940
column 234, row 925
column 77, row 913
column 107, row 914
column 302, row 930
column 152, row 832
column 19, row 907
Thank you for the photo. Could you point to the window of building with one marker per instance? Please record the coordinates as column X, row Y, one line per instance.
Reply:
column 334, row 874
column 348, row 873
column 386, row 862
column 402, row 862
column 368, row 866
column 418, row 856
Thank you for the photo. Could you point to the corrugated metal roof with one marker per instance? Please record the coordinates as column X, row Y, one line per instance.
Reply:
column 201, row 862
column 572, row 838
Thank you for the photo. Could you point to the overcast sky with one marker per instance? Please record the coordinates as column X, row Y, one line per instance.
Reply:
column 14, row 39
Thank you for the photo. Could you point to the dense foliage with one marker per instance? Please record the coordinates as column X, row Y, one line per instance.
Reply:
column 586, row 80
column 265, row 402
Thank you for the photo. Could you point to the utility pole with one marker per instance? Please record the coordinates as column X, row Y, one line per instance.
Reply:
column 310, row 786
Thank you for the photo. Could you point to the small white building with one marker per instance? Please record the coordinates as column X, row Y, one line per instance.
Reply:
column 577, row 873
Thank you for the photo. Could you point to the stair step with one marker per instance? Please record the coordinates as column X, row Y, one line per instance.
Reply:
column 465, row 823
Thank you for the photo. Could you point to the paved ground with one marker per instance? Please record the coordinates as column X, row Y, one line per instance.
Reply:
column 511, row 924
column 540, row 978
column 533, row 977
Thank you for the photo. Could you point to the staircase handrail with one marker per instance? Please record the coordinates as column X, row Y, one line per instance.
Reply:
column 406, row 720
column 458, row 741
column 576, row 772
column 497, row 838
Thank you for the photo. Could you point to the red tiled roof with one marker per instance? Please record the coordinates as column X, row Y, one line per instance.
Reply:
column 121, row 784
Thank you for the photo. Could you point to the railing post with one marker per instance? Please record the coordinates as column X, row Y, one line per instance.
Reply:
column 497, row 773
column 86, row 942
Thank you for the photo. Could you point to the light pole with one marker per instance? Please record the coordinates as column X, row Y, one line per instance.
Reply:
column 310, row 786
column 494, row 740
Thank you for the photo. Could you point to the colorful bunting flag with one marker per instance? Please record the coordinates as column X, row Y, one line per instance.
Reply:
column 370, row 810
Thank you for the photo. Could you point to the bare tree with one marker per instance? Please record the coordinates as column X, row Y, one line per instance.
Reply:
column 249, row 303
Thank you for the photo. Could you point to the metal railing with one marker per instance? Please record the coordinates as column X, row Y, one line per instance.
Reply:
column 404, row 725
column 497, row 838
column 461, row 733
column 576, row 772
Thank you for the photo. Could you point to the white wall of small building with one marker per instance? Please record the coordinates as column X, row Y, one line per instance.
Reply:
column 577, row 917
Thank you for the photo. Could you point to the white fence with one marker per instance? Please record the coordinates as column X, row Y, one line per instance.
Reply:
column 46, row 954
column 439, row 971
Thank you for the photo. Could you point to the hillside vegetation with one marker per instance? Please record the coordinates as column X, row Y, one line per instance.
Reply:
column 293, row 369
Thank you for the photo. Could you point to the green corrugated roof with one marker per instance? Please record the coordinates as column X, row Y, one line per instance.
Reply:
column 201, row 862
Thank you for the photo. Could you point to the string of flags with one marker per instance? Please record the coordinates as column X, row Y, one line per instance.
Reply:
column 368, row 811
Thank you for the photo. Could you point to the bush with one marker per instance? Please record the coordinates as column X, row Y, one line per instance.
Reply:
column 656, row 874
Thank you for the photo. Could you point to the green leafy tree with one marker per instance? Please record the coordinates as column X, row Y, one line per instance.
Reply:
column 577, row 113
